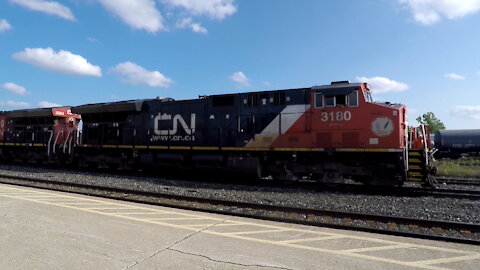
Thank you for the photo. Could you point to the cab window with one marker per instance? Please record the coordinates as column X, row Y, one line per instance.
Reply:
column 318, row 100
column 336, row 101
column 340, row 101
column 353, row 99
column 330, row 101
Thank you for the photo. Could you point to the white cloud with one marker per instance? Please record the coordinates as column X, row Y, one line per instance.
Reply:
column 61, row 61
column 49, row 7
column 240, row 78
column 139, row 14
column 198, row 28
column 92, row 40
column 14, row 88
column 217, row 9
column 14, row 104
column 383, row 85
column 188, row 23
column 431, row 11
column 144, row 14
column 470, row 112
column 4, row 25
column 454, row 76
column 135, row 74
column 47, row 104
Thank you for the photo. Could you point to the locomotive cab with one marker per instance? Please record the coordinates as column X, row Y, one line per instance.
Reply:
column 352, row 131
column 345, row 116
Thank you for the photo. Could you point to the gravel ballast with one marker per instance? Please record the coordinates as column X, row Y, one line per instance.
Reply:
column 448, row 209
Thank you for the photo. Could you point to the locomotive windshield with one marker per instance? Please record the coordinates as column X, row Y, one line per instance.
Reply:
column 368, row 96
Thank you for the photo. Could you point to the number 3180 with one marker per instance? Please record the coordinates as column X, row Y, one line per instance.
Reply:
column 336, row 116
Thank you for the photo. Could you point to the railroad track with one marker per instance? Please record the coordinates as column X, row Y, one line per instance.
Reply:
column 399, row 191
column 459, row 180
column 440, row 192
column 429, row 229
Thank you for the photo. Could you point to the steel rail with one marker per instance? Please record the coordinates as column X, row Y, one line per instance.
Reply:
column 474, row 181
column 410, row 227
column 441, row 192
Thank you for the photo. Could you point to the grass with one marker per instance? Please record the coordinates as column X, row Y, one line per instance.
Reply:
column 467, row 167
column 470, row 161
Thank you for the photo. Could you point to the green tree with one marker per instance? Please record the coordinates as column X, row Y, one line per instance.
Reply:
column 430, row 119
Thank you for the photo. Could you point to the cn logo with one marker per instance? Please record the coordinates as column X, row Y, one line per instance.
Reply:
column 176, row 120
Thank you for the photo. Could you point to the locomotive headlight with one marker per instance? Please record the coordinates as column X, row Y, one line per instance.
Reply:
column 382, row 126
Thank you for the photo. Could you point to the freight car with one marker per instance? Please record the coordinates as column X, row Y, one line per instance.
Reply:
column 325, row 133
column 455, row 143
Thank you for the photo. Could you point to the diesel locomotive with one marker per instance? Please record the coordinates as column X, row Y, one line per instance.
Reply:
column 324, row 133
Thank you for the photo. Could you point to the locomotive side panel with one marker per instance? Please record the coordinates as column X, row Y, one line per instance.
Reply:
column 234, row 120
column 277, row 113
column 176, row 123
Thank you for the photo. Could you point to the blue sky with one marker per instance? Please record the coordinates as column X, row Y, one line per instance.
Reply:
column 423, row 53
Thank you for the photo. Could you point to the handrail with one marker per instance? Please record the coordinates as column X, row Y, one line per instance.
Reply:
column 407, row 145
column 425, row 143
column 56, row 139
column 410, row 138
column 66, row 141
column 70, row 146
column 49, row 141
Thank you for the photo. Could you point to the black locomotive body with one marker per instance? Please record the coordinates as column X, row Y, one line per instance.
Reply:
column 224, row 120
column 188, row 133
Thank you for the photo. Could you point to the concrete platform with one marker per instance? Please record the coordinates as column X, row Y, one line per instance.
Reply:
column 53, row 230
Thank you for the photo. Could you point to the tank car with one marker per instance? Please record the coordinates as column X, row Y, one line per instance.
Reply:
column 454, row 143
column 325, row 133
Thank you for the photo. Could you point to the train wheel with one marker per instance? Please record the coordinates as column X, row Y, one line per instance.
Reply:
column 287, row 175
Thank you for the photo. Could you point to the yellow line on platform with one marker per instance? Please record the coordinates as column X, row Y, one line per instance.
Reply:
column 379, row 248
column 259, row 231
column 292, row 241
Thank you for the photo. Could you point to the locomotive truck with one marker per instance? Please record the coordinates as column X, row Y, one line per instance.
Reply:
column 325, row 133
